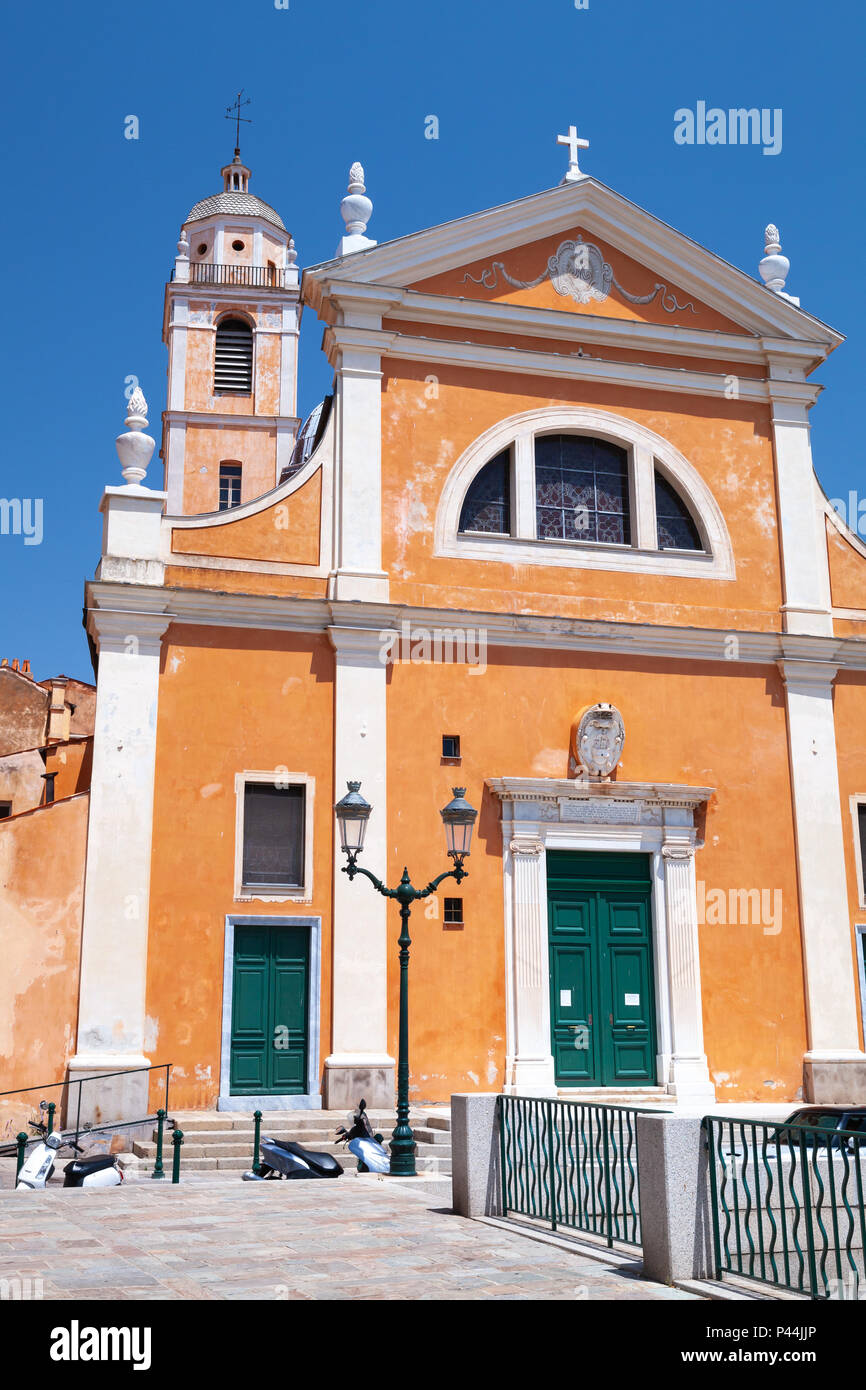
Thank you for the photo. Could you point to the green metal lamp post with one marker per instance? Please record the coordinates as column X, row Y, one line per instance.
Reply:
column 458, row 817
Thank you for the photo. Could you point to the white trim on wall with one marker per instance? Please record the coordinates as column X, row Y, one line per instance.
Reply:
column 242, row 892
column 645, row 449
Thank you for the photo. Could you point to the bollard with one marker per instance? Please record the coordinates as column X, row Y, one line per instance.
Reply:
column 257, row 1116
column 51, row 1109
column 21, row 1140
column 177, row 1140
column 158, row 1170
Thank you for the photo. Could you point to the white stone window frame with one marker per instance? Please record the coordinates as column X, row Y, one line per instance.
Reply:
column 646, row 452
column 244, row 893
column 860, row 943
column 855, row 802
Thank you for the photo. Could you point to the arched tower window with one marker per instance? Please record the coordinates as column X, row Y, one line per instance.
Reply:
column 581, row 490
column 233, row 358
column 676, row 528
column 487, row 505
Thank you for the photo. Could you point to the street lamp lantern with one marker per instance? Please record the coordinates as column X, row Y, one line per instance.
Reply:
column 353, row 812
column 458, row 818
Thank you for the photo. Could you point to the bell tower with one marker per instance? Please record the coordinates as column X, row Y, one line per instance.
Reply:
column 231, row 323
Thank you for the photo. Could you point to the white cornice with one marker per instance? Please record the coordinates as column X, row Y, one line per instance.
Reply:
column 296, row 614
column 567, row 366
column 215, row 421
column 496, row 316
column 552, row 790
column 599, row 211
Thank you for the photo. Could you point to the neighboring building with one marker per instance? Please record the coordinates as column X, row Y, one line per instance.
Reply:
column 563, row 434
column 46, row 748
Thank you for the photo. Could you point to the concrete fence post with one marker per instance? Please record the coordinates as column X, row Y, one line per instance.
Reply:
column 476, row 1183
column 675, row 1215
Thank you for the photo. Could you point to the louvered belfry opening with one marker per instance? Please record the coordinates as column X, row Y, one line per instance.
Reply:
column 233, row 360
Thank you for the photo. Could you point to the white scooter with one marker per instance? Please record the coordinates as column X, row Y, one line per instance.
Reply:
column 99, row 1171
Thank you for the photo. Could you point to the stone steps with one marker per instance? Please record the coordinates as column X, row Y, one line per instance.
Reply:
column 219, row 1141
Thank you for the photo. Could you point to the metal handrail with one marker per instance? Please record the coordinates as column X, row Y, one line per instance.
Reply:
column 780, row 1215
column 80, row 1081
column 572, row 1163
column 216, row 273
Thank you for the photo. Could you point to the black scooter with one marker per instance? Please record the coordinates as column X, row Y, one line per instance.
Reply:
column 283, row 1158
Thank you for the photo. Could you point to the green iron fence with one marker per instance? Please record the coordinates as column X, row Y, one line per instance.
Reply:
column 788, row 1205
column 571, row 1164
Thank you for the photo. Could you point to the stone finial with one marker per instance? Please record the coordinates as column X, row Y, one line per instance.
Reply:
column 774, row 267
column 356, row 209
column 134, row 448
column 291, row 253
column 183, row 246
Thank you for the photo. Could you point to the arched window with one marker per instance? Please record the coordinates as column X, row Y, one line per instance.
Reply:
column 676, row 528
column 487, row 505
column 233, row 358
column 581, row 490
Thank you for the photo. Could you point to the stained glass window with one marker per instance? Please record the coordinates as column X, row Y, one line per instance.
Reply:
column 581, row 490
column 487, row 505
column 676, row 529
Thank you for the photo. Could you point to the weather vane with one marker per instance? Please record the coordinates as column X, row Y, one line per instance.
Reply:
column 233, row 113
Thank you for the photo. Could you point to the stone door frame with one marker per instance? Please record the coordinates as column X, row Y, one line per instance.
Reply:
column 572, row 814
column 312, row 1099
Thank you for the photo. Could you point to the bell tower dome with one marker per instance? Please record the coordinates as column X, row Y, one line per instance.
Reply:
column 231, row 324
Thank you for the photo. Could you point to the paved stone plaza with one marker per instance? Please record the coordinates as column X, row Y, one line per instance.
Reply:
column 351, row 1239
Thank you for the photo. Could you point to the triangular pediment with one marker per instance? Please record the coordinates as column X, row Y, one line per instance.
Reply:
column 457, row 259
column 581, row 273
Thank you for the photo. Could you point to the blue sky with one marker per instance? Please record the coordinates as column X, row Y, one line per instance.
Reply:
column 91, row 218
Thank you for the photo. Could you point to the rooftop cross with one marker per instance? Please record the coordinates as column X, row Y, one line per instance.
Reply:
column 574, row 144
column 233, row 113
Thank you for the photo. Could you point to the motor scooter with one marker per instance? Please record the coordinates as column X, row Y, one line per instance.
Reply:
column 283, row 1158
column 99, row 1170
column 364, row 1144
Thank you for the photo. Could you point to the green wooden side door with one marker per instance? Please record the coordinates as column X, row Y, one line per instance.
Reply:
column 270, row 994
column 602, row 987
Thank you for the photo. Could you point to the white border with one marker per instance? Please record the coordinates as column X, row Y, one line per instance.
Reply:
column 645, row 449
column 245, row 894
column 312, row 1098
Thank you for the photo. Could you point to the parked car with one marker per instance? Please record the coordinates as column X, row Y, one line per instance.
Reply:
column 825, row 1120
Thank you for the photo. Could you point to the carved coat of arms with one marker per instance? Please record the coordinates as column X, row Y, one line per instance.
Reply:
column 599, row 740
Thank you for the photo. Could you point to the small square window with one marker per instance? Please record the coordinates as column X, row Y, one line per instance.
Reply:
column 5, row 809
column 453, row 912
column 451, row 745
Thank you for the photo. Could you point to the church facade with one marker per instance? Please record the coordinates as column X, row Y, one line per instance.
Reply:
column 556, row 538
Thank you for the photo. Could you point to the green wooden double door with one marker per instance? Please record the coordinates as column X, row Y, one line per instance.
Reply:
column 270, row 999
column 602, row 988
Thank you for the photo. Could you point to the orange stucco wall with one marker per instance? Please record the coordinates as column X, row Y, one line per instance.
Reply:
column 514, row 720
column 41, row 893
column 206, row 448
column 424, row 436
column 849, row 711
column 288, row 531
column 847, row 571
column 229, row 701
